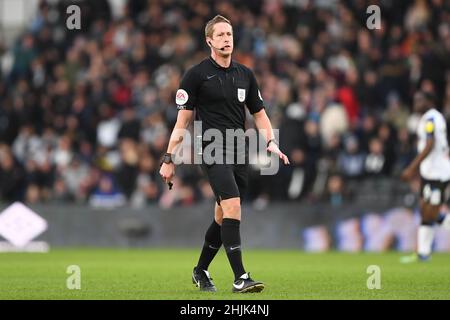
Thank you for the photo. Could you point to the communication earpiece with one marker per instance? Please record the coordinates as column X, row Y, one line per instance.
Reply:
column 210, row 44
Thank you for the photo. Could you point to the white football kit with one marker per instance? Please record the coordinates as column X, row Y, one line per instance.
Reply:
column 435, row 168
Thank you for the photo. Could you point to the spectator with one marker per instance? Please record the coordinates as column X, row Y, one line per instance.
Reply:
column 375, row 163
column 106, row 195
column 12, row 176
column 336, row 194
column 130, row 125
column 351, row 159
column 70, row 182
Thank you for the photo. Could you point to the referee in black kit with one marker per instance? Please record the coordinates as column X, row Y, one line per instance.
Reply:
column 219, row 89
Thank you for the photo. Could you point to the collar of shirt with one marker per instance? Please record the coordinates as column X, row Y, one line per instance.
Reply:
column 232, row 64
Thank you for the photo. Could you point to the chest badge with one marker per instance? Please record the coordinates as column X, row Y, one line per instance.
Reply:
column 241, row 94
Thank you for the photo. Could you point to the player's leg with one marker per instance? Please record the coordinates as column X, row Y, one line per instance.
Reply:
column 232, row 242
column 432, row 197
column 429, row 205
column 231, row 236
column 224, row 186
column 226, row 190
column 213, row 240
column 443, row 218
column 425, row 234
column 218, row 214
column 211, row 245
column 231, row 231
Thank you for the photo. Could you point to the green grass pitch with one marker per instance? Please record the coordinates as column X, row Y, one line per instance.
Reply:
column 165, row 274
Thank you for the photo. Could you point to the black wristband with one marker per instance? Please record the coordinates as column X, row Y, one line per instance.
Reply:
column 167, row 158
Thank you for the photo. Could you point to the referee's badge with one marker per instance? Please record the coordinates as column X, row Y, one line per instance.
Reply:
column 241, row 94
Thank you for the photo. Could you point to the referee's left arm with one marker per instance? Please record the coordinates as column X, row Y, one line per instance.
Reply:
column 255, row 105
column 262, row 122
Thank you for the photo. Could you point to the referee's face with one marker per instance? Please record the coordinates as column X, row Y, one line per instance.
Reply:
column 222, row 39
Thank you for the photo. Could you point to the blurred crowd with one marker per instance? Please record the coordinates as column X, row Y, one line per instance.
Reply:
column 85, row 115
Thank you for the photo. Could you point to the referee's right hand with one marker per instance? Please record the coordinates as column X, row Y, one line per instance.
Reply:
column 167, row 172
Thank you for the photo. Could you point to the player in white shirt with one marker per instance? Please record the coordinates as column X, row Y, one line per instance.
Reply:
column 434, row 164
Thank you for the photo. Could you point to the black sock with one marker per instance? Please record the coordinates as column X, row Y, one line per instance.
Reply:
column 232, row 243
column 213, row 242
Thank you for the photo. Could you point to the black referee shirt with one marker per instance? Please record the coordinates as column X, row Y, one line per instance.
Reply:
column 219, row 95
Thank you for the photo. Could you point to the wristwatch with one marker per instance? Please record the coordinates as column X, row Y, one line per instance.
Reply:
column 167, row 158
column 272, row 140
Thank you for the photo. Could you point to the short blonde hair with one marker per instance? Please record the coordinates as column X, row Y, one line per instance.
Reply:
column 209, row 29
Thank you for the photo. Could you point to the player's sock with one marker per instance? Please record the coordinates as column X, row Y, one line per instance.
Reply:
column 212, row 244
column 232, row 242
column 425, row 238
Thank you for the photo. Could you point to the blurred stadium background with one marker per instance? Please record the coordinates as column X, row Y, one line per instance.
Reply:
column 85, row 117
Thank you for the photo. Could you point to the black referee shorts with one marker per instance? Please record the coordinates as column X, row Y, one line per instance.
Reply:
column 227, row 180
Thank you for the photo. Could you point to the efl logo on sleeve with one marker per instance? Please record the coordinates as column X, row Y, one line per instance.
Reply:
column 181, row 97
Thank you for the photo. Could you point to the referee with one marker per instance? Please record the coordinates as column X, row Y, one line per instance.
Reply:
column 219, row 89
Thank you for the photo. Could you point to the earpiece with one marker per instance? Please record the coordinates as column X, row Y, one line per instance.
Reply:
column 210, row 44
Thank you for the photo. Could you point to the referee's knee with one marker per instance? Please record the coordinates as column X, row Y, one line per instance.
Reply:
column 231, row 208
